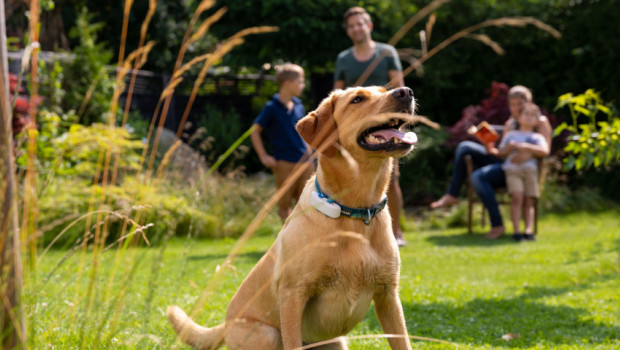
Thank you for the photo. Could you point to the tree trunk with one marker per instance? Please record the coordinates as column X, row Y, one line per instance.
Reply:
column 52, row 36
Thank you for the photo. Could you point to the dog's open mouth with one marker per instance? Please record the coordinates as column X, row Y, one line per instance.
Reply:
column 387, row 137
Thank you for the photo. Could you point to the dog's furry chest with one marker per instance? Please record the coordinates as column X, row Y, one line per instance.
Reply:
column 342, row 293
column 354, row 268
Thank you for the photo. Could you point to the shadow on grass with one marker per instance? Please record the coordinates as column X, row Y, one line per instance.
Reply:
column 465, row 239
column 482, row 322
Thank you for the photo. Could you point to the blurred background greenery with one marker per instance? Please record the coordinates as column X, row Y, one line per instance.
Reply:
column 461, row 77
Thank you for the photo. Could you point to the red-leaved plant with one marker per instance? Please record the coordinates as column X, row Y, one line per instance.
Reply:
column 21, row 104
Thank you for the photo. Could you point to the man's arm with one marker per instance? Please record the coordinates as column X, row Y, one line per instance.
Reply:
column 544, row 128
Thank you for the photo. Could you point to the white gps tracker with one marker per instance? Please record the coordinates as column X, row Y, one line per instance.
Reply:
column 321, row 204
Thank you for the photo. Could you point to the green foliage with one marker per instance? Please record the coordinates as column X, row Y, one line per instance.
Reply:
column 79, row 152
column 311, row 34
column 51, row 86
column 559, row 198
column 51, row 126
column 164, row 211
column 87, row 81
column 423, row 173
column 47, row 5
column 594, row 140
column 12, row 43
column 167, row 28
column 217, row 207
column 215, row 132
column 83, row 148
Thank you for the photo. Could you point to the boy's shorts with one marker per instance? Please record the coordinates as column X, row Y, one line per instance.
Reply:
column 281, row 172
column 523, row 180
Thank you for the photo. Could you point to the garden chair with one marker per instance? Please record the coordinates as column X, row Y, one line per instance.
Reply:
column 501, row 193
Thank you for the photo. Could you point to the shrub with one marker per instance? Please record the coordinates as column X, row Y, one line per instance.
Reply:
column 594, row 131
column 217, row 207
column 214, row 132
column 78, row 152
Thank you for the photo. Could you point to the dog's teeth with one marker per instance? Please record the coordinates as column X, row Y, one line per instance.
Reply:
column 371, row 139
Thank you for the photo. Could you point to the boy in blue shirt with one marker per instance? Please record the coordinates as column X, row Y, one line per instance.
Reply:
column 278, row 120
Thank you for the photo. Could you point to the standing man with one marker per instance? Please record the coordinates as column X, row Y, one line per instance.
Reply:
column 368, row 63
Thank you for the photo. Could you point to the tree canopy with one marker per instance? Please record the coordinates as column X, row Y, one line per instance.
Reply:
column 311, row 34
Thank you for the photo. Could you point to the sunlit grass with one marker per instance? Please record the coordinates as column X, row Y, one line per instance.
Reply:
column 559, row 292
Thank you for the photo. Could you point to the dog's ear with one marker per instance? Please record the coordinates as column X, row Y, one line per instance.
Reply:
column 318, row 128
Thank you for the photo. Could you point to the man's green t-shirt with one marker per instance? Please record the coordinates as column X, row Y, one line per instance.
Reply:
column 350, row 70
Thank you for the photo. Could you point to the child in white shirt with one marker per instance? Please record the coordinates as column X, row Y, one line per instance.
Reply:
column 522, row 178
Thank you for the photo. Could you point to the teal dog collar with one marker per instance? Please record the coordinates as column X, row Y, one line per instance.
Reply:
column 333, row 209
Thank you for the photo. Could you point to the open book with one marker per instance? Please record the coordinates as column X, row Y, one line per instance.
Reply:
column 484, row 132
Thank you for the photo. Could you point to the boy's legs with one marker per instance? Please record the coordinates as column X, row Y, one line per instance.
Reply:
column 528, row 214
column 281, row 172
column 515, row 184
column 516, row 203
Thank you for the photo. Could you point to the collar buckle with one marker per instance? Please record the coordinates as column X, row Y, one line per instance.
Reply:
column 368, row 217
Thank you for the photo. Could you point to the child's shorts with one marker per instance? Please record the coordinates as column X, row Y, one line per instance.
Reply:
column 523, row 180
column 282, row 171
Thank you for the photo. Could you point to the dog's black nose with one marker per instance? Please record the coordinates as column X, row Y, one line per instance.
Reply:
column 403, row 93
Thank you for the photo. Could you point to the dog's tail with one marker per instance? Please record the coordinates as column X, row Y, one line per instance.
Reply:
column 193, row 334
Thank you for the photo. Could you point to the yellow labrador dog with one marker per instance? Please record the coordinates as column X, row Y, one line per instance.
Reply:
column 336, row 253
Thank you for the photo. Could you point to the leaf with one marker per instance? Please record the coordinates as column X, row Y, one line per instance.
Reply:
column 583, row 110
column 565, row 98
column 592, row 95
column 559, row 129
column 585, row 129
column 579, row 100
column 604, row 109
column 598, row 161
column 579, row 163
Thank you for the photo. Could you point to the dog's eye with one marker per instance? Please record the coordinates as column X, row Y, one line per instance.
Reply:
column 357, row 99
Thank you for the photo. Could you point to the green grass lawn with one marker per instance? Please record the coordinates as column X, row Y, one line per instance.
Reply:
column 561, row 292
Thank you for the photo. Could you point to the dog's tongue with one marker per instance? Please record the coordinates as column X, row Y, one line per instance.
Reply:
column 407, row 137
